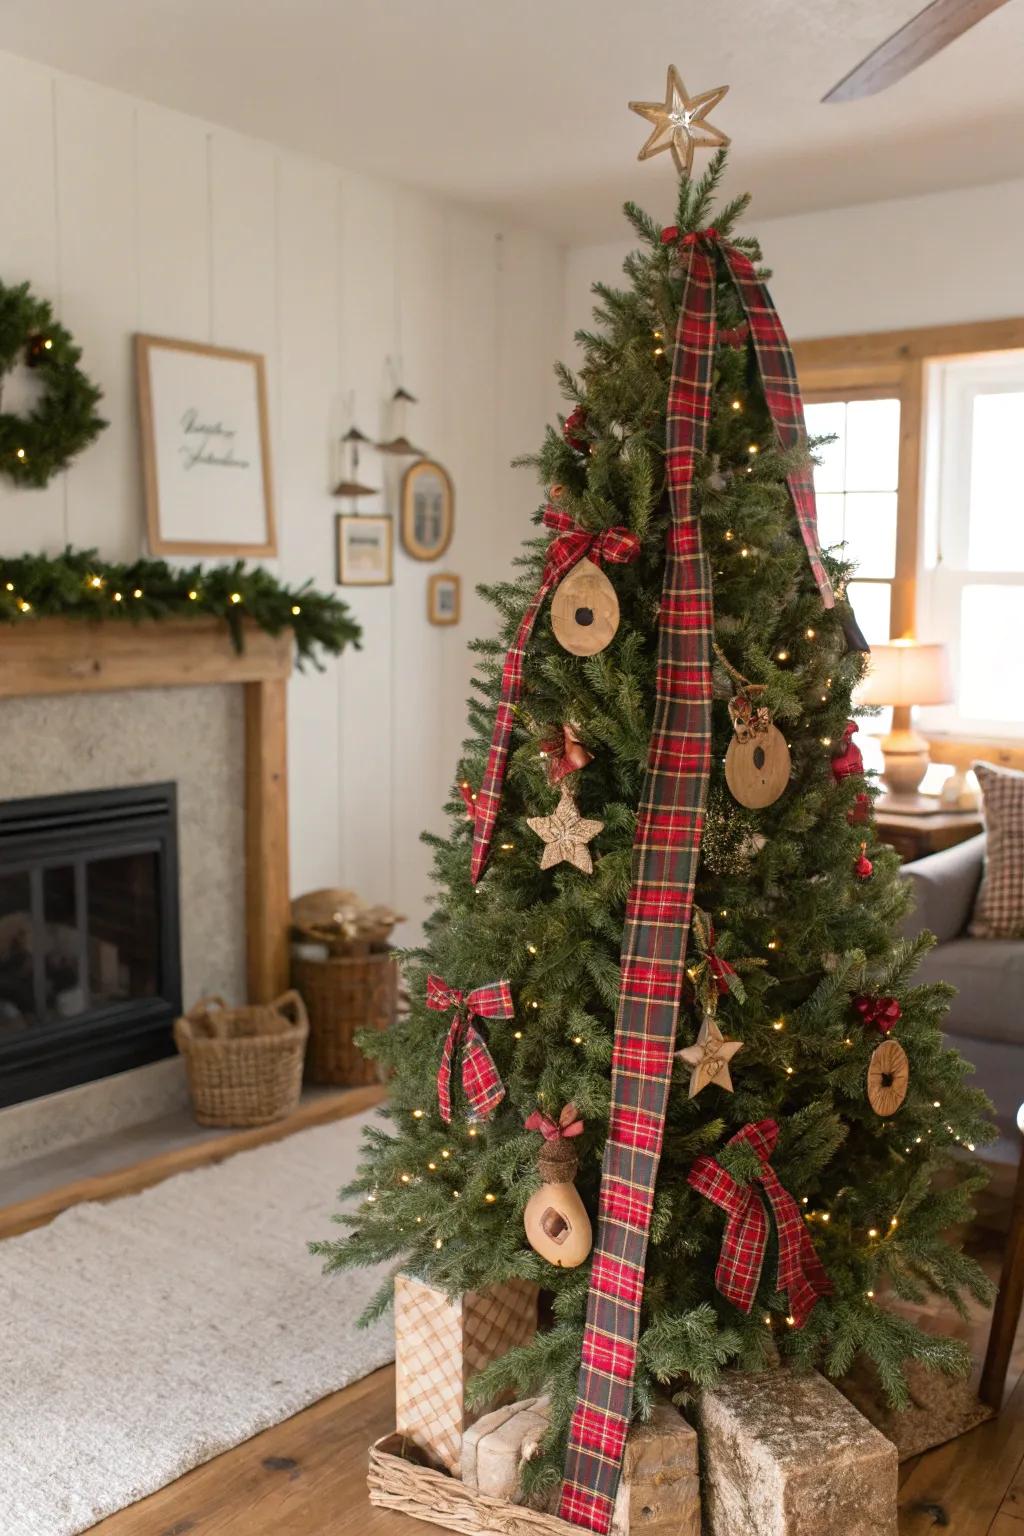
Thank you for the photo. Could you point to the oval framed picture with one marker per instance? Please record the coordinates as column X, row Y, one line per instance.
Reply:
column 428, row 510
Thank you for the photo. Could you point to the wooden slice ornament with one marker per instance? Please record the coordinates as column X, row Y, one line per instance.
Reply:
column 584, row 610
column 757, row 764
column 888, row 1077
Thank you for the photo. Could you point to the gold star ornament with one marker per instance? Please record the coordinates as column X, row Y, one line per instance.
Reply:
column 681, row 122
column 565, row 834
column 709, row 1057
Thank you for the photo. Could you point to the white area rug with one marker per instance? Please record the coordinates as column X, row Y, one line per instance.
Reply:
column 140, row 1338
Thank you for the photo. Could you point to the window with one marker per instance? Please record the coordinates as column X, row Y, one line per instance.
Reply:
column 971, row 579
column 856, row 483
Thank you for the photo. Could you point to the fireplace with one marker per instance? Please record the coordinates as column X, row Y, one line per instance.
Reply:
column 90, row 964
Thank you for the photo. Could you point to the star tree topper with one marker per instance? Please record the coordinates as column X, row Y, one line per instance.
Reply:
column 565, row 834
column 709, row 1057
column 681, row 122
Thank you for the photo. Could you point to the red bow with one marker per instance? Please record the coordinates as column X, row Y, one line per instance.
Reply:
column 565, row 754
column 883, row 1012
column 617, row 545
column 670, row 235
column 745, row 1239
column 480, row 1080
column 568, row 1124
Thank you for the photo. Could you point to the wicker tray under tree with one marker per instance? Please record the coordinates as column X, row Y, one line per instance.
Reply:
column 244, row 1065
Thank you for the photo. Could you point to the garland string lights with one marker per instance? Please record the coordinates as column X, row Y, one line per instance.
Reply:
column 78, row 585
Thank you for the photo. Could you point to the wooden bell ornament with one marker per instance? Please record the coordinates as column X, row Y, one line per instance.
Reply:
column 556, row 1220
column 888, row 1077
column 757, row 763
column 584, row 610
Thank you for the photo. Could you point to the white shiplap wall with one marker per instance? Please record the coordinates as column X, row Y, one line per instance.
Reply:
column 132, row 218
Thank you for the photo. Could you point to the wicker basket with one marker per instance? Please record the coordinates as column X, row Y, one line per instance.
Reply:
column 344, row 995
column 399, row 1481
column 244, row 1065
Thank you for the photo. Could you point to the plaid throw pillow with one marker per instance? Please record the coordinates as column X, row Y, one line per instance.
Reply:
column 999, row 906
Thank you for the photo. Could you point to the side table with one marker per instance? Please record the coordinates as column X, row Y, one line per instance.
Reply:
column 1006, row 1314
column 914, row 834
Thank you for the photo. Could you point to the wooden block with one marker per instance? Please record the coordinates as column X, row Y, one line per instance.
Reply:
column 485, row 1426
column 660, row 1489
column 659, row 1494
column 440, row 1345
column 786, row 1455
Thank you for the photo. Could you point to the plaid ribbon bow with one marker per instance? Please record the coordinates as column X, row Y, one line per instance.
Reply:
column 568, row 1124
column 745, row 1238
column 665, row 852
column 481, row 1083
column 616, row 545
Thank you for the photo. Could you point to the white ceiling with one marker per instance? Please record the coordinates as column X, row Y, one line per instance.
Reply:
column 519, row 106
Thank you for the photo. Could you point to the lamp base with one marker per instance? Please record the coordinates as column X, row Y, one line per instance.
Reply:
column 906, row 758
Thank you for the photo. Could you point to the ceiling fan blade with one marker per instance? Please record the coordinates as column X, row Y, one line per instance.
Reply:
column 920, row 39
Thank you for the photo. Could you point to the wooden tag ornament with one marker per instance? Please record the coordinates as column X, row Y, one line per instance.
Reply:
column 585, row 610
column 757, row 764
column 888, row 1077
column 556, row 1220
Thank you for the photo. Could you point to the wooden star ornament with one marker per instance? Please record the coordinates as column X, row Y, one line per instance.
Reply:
column 681, row 122
column 565, row 834
column 709, row 1057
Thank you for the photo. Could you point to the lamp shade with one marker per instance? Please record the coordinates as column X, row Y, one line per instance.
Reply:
column 907, row 672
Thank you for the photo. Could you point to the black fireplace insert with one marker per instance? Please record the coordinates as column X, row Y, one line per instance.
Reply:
column 90, row 954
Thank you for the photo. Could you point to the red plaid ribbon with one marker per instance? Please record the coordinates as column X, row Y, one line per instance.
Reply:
column 745, row 1239
column 480, row 1080
column 665, row 854
column 616, row 545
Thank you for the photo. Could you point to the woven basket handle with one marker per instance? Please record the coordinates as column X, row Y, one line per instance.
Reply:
column 290, row 1004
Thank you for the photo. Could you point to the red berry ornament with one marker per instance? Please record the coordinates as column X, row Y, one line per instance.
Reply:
column 881, row 1013
column 575, row 424
column 863, row 868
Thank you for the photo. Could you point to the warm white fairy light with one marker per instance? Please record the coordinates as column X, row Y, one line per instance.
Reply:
column 729, row 535
column 517, row 1034
column 432, row 1167
column 737, row 405
column 752, row 448
column 809, row 634
column 438, row 1243
column 137, row 592
column 445, row 1152
column 236, row 597
column 193, row 595
column 117, row 597
column 296, row 610
column 577, row 1039
column 872, row 1231
column 531, row 949
column 744, row 552
column 406, row 1178
column 472, row 1131
column 417, row 1114
column 782, row 655
column 490, row 1199
column 779, row 1024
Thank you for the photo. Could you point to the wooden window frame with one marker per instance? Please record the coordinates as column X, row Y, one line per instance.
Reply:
column 893, row 364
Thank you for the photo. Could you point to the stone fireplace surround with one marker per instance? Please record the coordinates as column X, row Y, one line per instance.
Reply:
column 89, row 707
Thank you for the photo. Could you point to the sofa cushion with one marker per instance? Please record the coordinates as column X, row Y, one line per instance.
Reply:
column 999, row 908
column 989, row 977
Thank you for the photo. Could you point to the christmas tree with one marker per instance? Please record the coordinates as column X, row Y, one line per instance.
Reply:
column 797, row 997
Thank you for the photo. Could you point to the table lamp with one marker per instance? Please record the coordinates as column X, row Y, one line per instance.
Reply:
column 904, row 673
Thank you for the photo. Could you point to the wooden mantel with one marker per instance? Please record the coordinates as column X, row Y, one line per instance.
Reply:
column 48, row 656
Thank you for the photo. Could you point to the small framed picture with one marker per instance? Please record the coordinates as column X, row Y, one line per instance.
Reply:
column 205, row 449
column 364, row 550
column 444, row 598
column 428, row 510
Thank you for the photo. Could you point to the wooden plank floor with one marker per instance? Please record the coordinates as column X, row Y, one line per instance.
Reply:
column 307, row 1477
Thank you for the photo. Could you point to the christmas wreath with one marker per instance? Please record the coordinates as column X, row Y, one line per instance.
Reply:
column 64, row 419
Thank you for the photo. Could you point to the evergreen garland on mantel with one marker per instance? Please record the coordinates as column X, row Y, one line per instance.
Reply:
column 79, row 585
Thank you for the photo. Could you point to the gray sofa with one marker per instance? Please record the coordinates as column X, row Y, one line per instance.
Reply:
column 986, row 1018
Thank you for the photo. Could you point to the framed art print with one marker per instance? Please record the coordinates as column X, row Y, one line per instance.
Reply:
column 205, row 449
column 444, row 598
column 428, row 510
column 364, row 550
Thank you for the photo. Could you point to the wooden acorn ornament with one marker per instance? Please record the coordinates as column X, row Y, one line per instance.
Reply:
column 585, row 610
column 757, row 763
column 888, row 1077
column 556, row 1220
